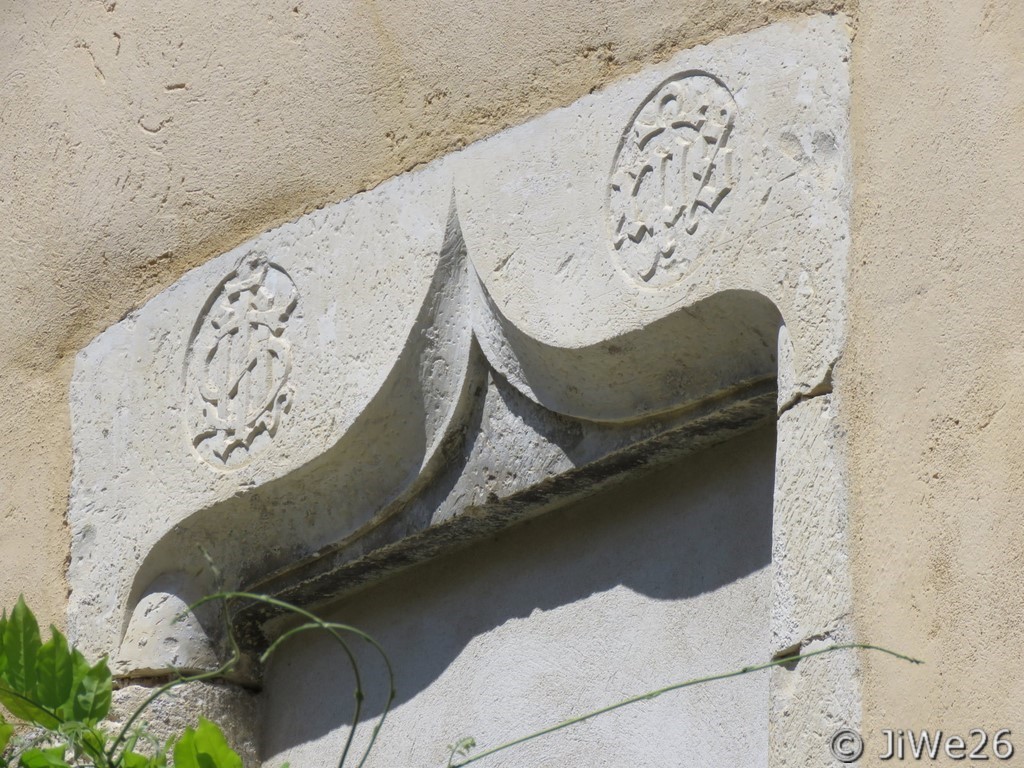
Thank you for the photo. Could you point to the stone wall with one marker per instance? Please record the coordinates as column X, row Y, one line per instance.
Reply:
column 517, row 326
column 137, row 142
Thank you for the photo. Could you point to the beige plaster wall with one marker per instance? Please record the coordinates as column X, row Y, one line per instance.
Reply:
column 137, row 139
column 932, row 378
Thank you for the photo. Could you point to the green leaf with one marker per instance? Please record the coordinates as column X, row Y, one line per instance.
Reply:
column 21, row 646
column 44, row 758
column 6, row 731
column 3, row 653
column 54, row 672
column 135, row 760
column 81, row 737
column 79, row 669
column 25, row 708
column 205, row 747
column 92, row 694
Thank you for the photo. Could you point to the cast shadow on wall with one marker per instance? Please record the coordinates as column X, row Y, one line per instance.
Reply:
column 677, row 560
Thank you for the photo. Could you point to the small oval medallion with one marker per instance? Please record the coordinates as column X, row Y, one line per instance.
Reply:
column 671, row 173
column 238, row 364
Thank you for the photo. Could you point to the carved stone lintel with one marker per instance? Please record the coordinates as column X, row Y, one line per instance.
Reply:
column 455, row 349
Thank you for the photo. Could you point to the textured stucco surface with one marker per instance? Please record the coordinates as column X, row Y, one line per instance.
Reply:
column 139, row 139
column 934, row 396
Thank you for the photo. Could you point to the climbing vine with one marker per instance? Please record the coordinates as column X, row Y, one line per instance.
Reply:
column 55, row 703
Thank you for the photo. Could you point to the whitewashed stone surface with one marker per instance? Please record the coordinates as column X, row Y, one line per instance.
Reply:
column 537, row 206
column 664, row 578
column 611, row 263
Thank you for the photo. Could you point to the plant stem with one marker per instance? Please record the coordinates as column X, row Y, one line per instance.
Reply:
column 332, row 629
column 227, row 666
column 676, row 687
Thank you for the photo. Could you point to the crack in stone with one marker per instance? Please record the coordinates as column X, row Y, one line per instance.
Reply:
column 824, row 387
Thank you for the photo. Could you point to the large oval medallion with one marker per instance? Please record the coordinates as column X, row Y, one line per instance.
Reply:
column 673, row 170
column 238, row 364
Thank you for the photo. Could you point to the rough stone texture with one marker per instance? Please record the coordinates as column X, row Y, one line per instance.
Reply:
column 810, row 701
column 811, row 595
column 494, row 483
column 163, row 634
column 811, row 545
column 935, row 397
column 664, row 578
column 236, row 710
column 270, row 405
column 139, row 139
column 356, row 372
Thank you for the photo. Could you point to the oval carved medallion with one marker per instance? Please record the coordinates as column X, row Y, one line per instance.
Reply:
column 672, row 171
column 238, row 364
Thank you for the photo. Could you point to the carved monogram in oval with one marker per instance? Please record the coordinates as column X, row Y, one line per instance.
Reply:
column 238, row 364
column 672, row 171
